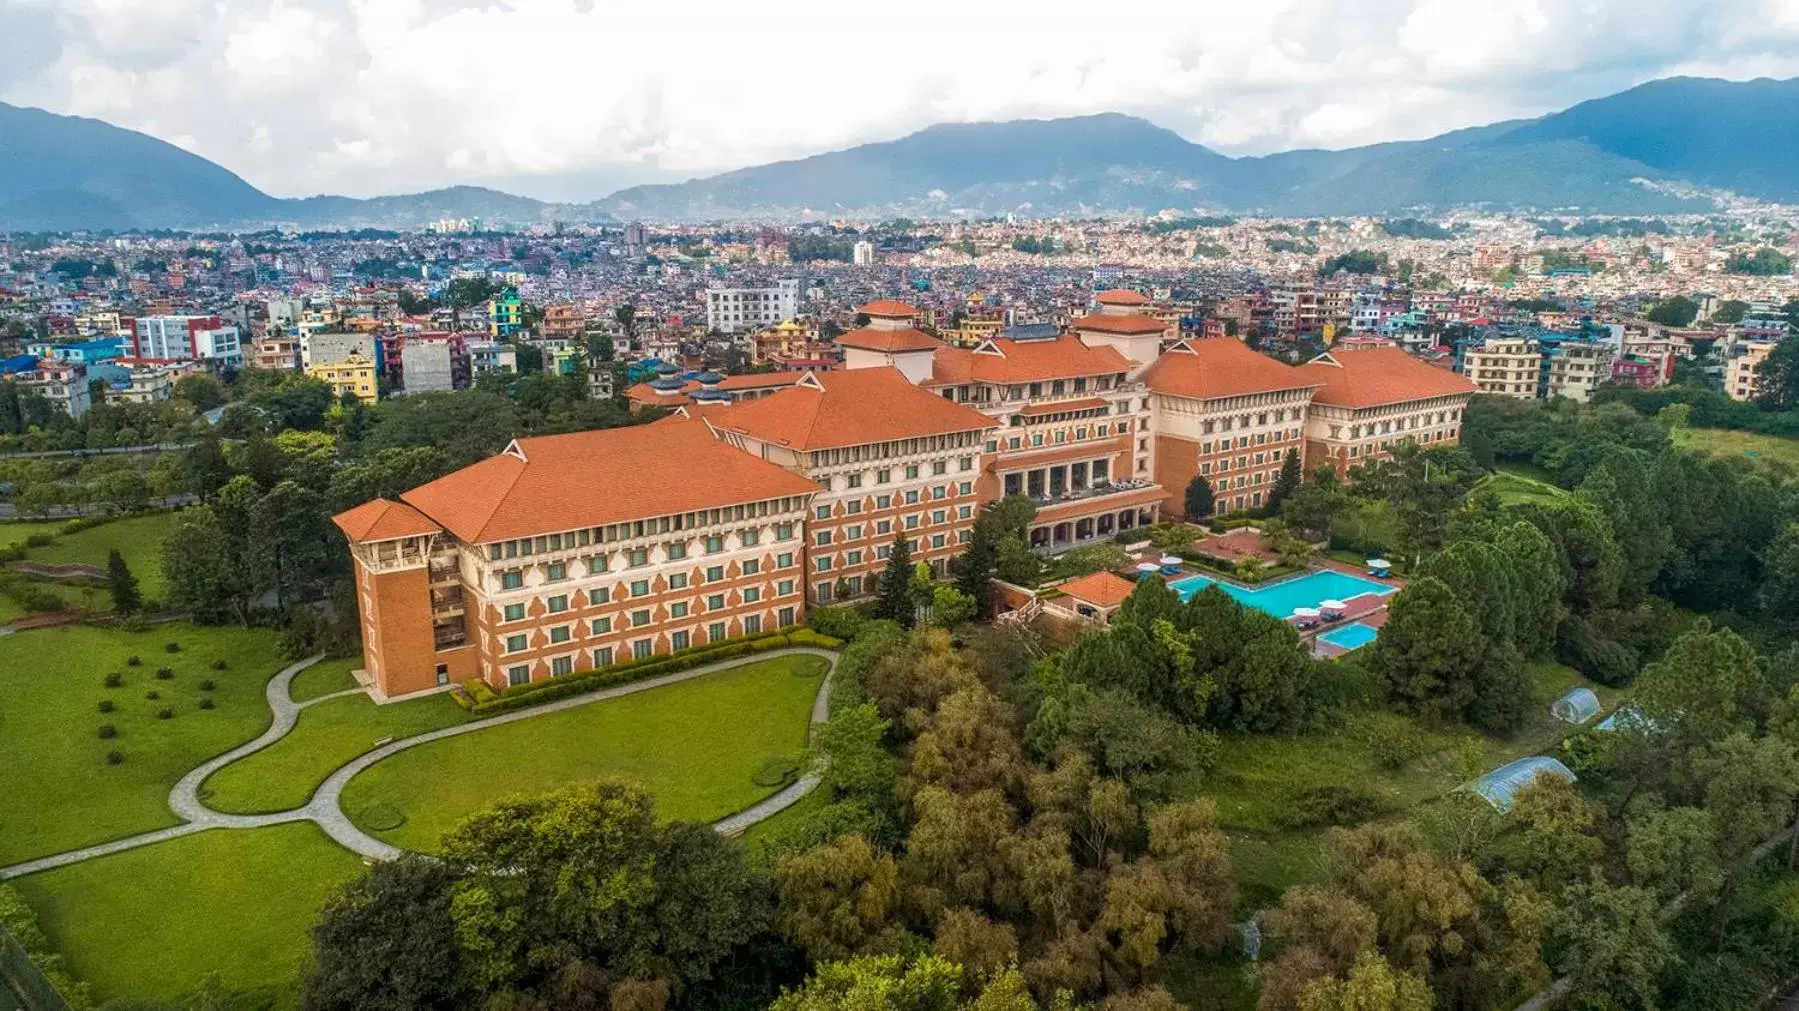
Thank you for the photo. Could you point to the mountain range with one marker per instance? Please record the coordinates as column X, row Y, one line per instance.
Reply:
column 1666, row 146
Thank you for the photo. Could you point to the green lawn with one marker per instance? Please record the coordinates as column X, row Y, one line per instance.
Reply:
column 323, row 678
column 150, row 924
column 1519, row 489
column 329, row 734
column 1723, row 442
column 16, row 532
column 139, row 539
column 1258, row 778
column 695, row 745
column 60, row 792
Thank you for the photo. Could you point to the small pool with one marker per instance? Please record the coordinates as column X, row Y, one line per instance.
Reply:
column 1350, row 636
column 1279, row 599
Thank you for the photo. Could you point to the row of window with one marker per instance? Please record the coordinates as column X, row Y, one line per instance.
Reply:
column 914, row 496
column 1387, row 427
column 883, row 528
column 643, row 617
column 1245, row 441
column 513, row 579
column 912, row 471
column 643, row 649
column 1262, row 419
column 859, row 556
column 898, row 447
column 982, row 393
column 571, row 539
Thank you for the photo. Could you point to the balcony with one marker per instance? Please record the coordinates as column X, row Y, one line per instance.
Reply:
column 1092, row 492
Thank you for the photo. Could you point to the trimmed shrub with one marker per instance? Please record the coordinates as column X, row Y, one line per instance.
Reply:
column 153, row 695
column 115, row 757
column 114, row 679
column 1319, row 806
column 776, row 772
column 108, row 731
column 206, row 703
column 173, row 647
column 219, row 665
column 814, row 639
column 164, row 673
column 837, row 622
column 1395, row 745
column 165, row 713
column 133, row 661
column 207, row 685
column 106, row 705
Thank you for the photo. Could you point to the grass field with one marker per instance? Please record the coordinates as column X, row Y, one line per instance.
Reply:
column 139, row 539
column 284, row 775
column 1723, row 442
column 695, row 745
column 1517, row 486
column 323, row 678
column 16, row 532
column 1257, row 779
column 150, row 924
column 60, row 791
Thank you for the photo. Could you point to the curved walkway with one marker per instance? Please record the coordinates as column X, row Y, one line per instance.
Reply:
column 325, row 808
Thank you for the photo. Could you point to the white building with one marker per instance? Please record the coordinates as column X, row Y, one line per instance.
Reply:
column 736, row 310
column 863, row 253
column 179, row 338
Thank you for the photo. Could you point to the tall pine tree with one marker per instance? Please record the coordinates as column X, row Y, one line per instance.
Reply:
column 126, row 599
column 1285, row 482
column 1199, row 500
column 895, row 600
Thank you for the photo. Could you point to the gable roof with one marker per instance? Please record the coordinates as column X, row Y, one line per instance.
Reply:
column 1009, row 361
column 1221, row 367
column 1371, row 377
column 551, row 483
column 383, row 520
column 1121, row 296
column 1120, row 323
column 1103, row 588
column 854, row 407
column 901, row 339
column 888, row 307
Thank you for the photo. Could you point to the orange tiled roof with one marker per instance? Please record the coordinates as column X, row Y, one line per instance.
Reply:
column 888, row 307
column 563, row 482
column 1102, row 588
column 644, row 393
column 1371, row 377
column 849, row 408
column 1222, row 367
column 1122, row 323
column 1080, row 404
column 1121, row 296
column 383, row 520
column 903, row 339
column 1025, row 362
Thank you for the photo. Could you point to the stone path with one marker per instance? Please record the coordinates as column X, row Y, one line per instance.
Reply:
column 325, row 808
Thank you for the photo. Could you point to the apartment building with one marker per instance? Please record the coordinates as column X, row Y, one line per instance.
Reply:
column 735, row 310
column 352, row 374
column 569, row 552
column 1504, row 367
column 277, row 353
column 1369, row 398
column 1574, row 368
column 889, row 459
column 174, row 338
column 1745, row 359
column 1224, row 411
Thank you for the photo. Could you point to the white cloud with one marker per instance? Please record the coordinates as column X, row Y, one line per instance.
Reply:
column 376, row 96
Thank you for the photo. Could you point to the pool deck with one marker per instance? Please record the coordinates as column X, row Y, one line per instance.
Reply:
column 1364, row 608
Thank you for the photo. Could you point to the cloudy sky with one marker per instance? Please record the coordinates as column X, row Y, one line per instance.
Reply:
column 569, row 99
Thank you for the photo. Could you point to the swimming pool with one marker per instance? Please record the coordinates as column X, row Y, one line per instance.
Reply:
column 1350, row 636
column 1279, row 599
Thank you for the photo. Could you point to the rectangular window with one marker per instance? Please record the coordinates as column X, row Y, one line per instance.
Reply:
column 680, row 640
column 642, row 648
column 784, row 616
column 784, row 587
column 676, row 552
column 822, row 512
column 939, row 467
column 911, row 471
column 715, row 544
column 751, row 566
column 784, row 531
column 714, row 573
column 752, row 624
column 558, row 571
column 715, row 602
column 512, row 579
column 601, row 626
column 855, row 481
column 752, row 594
column 639, row 557
column 822, row 539
column 558, row 603
column 596, row 565
column 883, row 501
column 715, row 632
column 784, row 560
column 562, row 665
column 514, row 643
column 883, row 476
column 602, row 657
column 640, row 618
column 600, row 595
column 515, row 612
column 518, row 675
column 559, row 633
column 678, row 609
column 822, row 564
column 640, row 587
column 751, row 538
column 677, row 581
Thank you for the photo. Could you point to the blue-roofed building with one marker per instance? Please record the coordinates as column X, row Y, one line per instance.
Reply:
column 18, row 364
column 102, row 349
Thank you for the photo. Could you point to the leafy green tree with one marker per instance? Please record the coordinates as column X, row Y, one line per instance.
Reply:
column 951, row 607
column 1553, row 836
column 1709, row 684
column 1371, row 985
column 1591, row 563
column 1777, row 377
column 1750, row 784
column 1016, row 563
column 1612, row 945
column 1678, row 311
column 386, row 940
column 291, row 542
column 202, row 470
column 206, row 578
column 1315, row 505
column 894, row 601
column 1675, row 852
column 1429, row 647
column 121, row 584
column 1199, row 500
column 839, row 900
column 1623, row 489
column 922, row 983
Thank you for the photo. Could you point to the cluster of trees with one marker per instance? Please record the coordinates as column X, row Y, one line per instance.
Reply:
column 1764, row 262
column 1037, row 247
column 1168, row 225
column 1415, row 228
column 1356, row 261
column 30, row 423
column 1609, row 227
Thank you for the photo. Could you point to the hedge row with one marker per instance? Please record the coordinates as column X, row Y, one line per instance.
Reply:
column 482, row 701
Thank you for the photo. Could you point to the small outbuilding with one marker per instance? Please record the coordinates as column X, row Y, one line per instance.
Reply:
column 1578, row 706
column 1501, row 786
